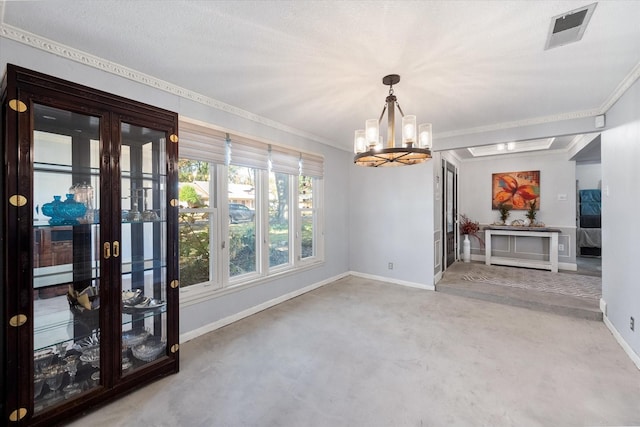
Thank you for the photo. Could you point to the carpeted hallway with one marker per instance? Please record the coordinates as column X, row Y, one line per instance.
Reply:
column 359, row 352
column 565, row 293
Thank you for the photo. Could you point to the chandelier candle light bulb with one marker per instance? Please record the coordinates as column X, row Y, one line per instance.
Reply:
column 408, row 131
column 360, row 141
column 424, row 132
column 372, row 127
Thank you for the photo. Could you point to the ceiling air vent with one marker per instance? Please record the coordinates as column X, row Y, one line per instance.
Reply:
column 569, row 27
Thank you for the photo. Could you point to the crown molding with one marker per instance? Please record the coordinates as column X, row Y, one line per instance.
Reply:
column 522, row 154
column 520, row 123
column 67, row 52
column 624, row 85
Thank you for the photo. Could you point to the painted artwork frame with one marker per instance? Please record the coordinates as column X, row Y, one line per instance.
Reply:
column 515, row 189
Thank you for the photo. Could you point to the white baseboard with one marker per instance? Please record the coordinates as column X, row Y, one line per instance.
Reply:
column 635, row 358
column 188, row 336
column 437, row 277
column 568, row 266
column 394, row 281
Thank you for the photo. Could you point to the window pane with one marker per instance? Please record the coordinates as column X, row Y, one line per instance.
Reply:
column 242, row 220
column 307, row 216
column 278, row 219
column 194, row 248
column 195, row 221
column 193, row 177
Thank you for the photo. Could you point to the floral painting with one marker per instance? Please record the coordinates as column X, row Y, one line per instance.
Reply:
column 515, row 189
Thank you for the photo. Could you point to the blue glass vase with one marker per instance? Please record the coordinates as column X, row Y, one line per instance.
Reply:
column 70, row 210
column 51, row 209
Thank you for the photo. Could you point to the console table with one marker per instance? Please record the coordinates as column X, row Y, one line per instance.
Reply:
column 550, row 234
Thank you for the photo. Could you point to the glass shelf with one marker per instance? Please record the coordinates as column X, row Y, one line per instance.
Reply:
column 55, row 323
column 63, row 168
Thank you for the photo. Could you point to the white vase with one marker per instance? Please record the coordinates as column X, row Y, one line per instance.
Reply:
column 466, row 249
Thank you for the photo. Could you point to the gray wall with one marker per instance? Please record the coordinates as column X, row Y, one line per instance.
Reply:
column 620, row 224
column 588, row 175
column 391, row 220
column 337, row 166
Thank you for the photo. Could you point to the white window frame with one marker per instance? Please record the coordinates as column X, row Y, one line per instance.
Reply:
column 318, row 224
column 221, row 282
column 290, row 264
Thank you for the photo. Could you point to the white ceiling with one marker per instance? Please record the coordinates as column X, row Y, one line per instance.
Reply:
column 317, row 66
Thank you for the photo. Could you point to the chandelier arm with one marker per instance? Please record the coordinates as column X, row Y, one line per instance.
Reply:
column 399, row 109
column 384, row 109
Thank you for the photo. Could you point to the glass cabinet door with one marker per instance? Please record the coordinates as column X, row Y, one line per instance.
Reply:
column 66, row 257
column 144, row 242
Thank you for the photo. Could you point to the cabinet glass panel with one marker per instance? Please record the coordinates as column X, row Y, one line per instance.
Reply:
column 66, row 261
column 144, row 242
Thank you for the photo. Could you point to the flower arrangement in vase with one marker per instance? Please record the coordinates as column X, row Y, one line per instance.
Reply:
column 467, row 226
column 504, row 213
column 531, row 213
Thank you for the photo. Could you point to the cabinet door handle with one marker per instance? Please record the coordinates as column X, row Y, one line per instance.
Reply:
column 116, row 249
column 107, row 250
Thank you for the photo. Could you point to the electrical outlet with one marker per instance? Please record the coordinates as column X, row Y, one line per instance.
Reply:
column 390, row 266
column 561, row 247
column 632, row 323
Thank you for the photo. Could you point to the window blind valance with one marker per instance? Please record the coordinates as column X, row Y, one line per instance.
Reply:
column 251, row 154
column 284, row 161
column 199, row 142
column 312, row 165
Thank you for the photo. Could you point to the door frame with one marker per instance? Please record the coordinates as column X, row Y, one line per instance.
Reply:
column 449, row 191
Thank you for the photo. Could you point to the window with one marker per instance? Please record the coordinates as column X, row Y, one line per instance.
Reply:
column 307, row 217
column 246, row 212
column 279, row 224
column 195, row 222
column 242, row 220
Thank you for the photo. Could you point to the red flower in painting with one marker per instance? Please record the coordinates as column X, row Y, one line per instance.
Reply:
column 513, row 194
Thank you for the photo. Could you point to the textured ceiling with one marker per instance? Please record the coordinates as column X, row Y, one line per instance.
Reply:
column 317, row 66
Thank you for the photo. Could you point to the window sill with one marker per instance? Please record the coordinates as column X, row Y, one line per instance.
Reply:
column 201, row 294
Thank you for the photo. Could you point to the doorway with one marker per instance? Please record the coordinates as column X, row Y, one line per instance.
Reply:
column 449, row 214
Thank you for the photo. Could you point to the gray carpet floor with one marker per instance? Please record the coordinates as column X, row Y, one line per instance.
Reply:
column 359, row 352
column 570, row 284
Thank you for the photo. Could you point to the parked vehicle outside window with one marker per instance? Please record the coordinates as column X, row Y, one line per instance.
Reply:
column 240, row 213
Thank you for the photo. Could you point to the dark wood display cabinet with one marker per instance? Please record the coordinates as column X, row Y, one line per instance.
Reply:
column 89, row 247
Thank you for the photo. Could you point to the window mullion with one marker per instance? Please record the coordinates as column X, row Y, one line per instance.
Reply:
column 297, row 220
column 222, row 239
column 262, row 225
column 293, row 214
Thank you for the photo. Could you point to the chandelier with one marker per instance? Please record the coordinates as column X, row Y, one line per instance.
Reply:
column 416, row 141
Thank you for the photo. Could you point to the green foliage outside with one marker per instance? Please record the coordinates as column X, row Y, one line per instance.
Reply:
column 188, row 194
column 307, row 238
column 242, row 248
column 192, row 170
column 193, row 248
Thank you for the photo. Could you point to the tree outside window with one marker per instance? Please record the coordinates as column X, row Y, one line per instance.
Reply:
column 195, row 222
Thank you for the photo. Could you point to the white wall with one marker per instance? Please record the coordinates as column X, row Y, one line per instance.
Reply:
column 391, row 220
column 557, row 178
column 557, row 181
column 337, row 165
column 620, row 225
column 589, row 175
